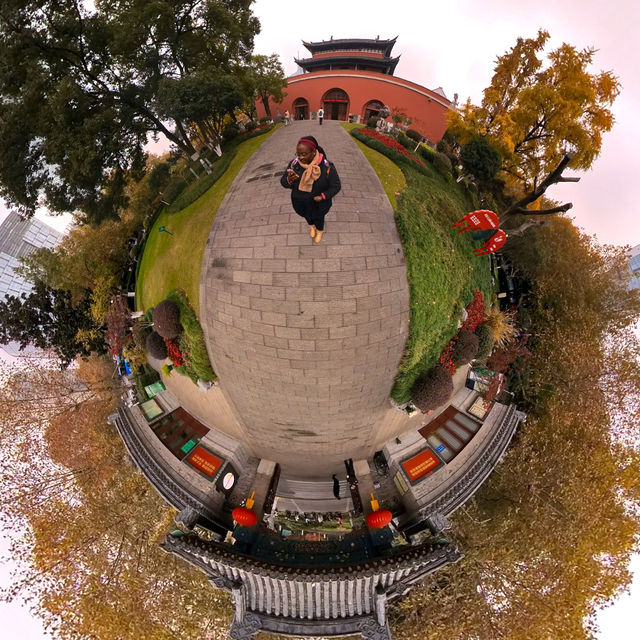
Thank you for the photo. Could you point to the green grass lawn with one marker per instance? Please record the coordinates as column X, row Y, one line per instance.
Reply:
column 174, row 261
column 441, row 268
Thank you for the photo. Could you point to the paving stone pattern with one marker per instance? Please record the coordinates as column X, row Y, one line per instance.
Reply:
column 306, row 338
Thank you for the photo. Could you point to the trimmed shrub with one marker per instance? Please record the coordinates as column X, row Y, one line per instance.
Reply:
column 433, row 389
column 426, row 154
column 191, row 341
column 485, row 342
column 442, row 163
column 399, row 158
column 479, row 158
column 156, row 346
column 465, row 348
column 265, row 119
column 405, row 141
column 166, row 320
column 250, row 126
column 372, row 122
column 414, row 135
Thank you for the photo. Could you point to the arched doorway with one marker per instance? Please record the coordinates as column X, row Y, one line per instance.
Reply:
column 336, row 103
column 300, row 109
column 372, row 108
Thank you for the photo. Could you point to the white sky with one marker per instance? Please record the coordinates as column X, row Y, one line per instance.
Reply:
column 454, row 45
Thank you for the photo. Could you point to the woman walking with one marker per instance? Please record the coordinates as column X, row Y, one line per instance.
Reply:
column 314, row 182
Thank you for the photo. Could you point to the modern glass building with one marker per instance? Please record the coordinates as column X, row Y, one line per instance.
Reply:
column 18, row 239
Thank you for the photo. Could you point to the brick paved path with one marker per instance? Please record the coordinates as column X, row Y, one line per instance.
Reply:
column 306, row 338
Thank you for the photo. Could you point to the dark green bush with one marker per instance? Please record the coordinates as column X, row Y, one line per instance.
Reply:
column 265, row 119
column 166, row 320
column 204, row 183
column 426, row 154
column 173, row 189
column 465, row 348
column 433, row 389
column 485, row 342
column 414, row 135
column 480, row 158
column 230, row 132
column 251, row 125
column 159, row 177
column 147, row 376
column 405, row 141
column 156, row 346
column 372, row 122
column 442, row 163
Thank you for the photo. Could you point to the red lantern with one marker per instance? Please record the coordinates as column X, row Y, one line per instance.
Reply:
column 379, row 519
column 244, row 517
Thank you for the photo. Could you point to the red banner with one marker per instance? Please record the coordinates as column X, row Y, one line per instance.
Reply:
column 204, row 461
column 420, row 465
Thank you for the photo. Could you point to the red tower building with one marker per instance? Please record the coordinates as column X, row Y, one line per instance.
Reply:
column 354, row 78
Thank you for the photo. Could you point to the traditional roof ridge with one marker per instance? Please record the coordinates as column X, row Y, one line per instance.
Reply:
column 227, row 555
column 387, row 45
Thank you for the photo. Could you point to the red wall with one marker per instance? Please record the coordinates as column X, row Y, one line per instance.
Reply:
column 426, row 109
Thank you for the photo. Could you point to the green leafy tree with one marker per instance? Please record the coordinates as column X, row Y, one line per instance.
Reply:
column 266, row 79
column 480, row 158
column 47, row 318
column 82, row 91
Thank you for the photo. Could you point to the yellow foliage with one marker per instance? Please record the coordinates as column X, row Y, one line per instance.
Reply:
column 533, row 114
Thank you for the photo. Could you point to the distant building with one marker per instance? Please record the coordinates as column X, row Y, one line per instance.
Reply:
column 18, row 239
column 634, row 267
column 353, row 79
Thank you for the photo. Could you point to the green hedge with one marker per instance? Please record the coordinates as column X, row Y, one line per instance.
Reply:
column 203, row 184
column 392, row 154
column 145, row 378
column 192, row 341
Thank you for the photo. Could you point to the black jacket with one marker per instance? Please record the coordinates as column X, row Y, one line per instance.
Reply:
column 328, row 184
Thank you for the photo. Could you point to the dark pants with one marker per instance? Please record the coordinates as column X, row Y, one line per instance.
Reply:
column 320, row 120
column 310, row 211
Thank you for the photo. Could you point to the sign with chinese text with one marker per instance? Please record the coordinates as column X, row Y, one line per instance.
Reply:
column 421, row 465
column 151, row 410
column 204, row 461
column 154, row 389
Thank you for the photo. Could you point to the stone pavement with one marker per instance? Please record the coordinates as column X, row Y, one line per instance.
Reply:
column 306, row 339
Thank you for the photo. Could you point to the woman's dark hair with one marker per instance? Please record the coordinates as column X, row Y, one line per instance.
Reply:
column 320, row 149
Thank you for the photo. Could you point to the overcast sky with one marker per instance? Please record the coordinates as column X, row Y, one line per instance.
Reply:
column 454, row 44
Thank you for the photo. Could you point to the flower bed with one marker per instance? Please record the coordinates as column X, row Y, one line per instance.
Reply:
column 390, row 143
column 475, row 313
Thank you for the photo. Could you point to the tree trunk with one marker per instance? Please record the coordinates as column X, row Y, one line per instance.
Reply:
column 265, row 102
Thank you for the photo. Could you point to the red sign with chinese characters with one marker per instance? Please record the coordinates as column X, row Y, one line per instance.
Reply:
column 204, row 461
column 420, row 465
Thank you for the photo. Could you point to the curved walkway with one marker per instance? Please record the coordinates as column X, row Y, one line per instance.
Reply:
column 306, row 339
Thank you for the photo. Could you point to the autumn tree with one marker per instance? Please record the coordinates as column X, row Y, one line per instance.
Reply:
column 533, row 112
column 90, row 523
column 87, row 258
column 83, row 91
column 548, row 537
